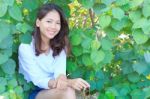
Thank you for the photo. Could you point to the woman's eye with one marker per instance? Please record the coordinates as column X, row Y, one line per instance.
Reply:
column 57, row 23
column 49, row 21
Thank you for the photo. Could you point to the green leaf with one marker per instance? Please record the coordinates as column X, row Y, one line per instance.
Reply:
column 121, row 2
column 146, row 9
column 87, row 3
column 113, row 92
column 135, row 15
column 25, row 38
column 117, row 24
column 15, row 13
column 12, row 83
column 87, row 60
column 77, row 51
column 118, row 13
column 134, row 77
column 86, row 43
column 9, row 2
column 135, row 3
column 23, row 27
column 95, row 45
column 111, row 33
column 108, row 57
column 30, row 4
column 3, row 81
column 3, row 58
column 139, row 23
column 139, row 36
column 107, row 2
column 100, row 8
column 146, row 28
column 71, row 66
column 140, row 67
column 6, row 42
column 9, row 67
column 137, row 94
column 106, row 44
column 76, row 39
column 3, row 9
column 4, row 29
column 97, row 56
column 104, row 21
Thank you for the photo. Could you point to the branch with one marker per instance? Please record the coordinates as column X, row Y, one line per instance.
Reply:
column 91, row 16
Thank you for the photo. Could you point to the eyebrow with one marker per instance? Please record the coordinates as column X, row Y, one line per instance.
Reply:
column 53, row 19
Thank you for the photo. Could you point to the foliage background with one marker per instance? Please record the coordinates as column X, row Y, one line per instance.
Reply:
column 110, row 45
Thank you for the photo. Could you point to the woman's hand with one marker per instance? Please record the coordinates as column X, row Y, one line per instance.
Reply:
column 61, row 82
column 78, row 84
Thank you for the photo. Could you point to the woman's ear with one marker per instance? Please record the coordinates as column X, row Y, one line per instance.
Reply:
column 37, row 22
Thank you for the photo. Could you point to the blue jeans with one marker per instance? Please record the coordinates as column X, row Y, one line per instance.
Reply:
column 33, row 94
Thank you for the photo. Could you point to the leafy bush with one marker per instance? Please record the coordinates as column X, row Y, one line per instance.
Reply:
column 110, row 45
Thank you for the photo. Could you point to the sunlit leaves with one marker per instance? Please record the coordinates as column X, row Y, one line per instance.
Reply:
column 140, row 67
column 87, row 3
column 135, row 15
column 4, row 30
column 104, row 21
column 76, row 39
column 97, row 56
column 133, row 77
column 146, row 9
column 106, row 44
column 139, row 36
column 9, row 67
column 15, row 13
column 118, row 13
column 3, row 9
column 95, row 45
column 87, row 60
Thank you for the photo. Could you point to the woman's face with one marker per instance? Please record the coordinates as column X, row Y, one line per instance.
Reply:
column 49, row 25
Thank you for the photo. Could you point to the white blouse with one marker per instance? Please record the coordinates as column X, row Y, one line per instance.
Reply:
column 40, row 69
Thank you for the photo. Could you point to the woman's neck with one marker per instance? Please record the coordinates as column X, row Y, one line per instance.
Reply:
column 45, row 44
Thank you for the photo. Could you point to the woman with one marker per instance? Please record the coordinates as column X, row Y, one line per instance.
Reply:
column 43, row 61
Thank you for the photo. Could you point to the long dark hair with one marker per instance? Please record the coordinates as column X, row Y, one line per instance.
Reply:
column 60, row 41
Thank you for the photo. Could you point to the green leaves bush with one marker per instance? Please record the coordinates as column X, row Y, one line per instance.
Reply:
column 110, row 45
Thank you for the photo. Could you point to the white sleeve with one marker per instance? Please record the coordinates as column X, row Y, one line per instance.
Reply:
column 29, row 69
column 60, row 64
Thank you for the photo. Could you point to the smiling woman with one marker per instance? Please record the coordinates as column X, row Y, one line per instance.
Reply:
column 43, row 61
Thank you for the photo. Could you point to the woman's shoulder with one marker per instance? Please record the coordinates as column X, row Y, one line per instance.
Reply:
column 25, row 48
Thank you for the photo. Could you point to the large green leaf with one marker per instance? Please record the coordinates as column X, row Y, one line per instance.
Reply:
column 6, row 42
column 133, row 77
column 87, row 3
column 108, row 57
column 9, row 2
column 100, row 8
column 140, row 67
column 25, row 38
column 3, row 9
column 3, row 83
column 71, row 66
column 121, row 2
column 4, row 30
column 139, row 23
column 117, row 24
column 104, row 21
column 23, row 27
column 135, row 3
column 95, row 45
column 111, row 33
column 12, row 83
column 77, row 51
column 146, row 9
column 139, row 36
column 9, row 67
column 137, row 94
column 3, row 58
column 86, row 43
column 15, row 13
column 118, row 13
column 135, row 15
column 76, row 39
column 97, row 56
column 87, row 60
column 146, row 26
column 31, row 5
column 106, row 44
